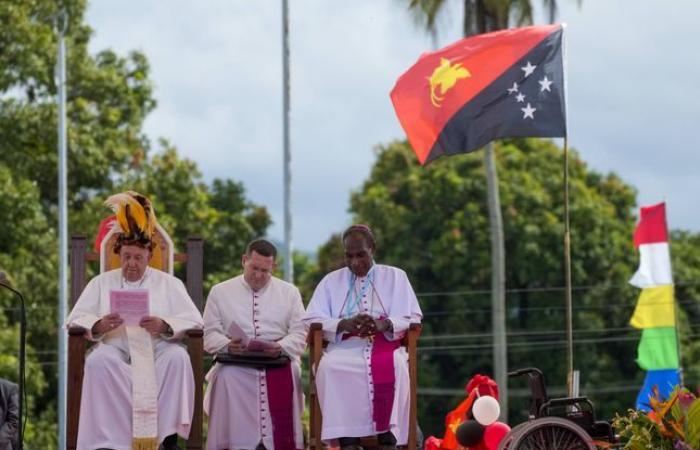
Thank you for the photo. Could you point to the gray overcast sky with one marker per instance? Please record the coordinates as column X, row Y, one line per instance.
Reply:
column 633, row 73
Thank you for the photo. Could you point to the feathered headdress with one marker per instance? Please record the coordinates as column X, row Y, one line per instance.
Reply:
column 135, row 216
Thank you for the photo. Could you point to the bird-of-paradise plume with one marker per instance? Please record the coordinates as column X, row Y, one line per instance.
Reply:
column 134, row 214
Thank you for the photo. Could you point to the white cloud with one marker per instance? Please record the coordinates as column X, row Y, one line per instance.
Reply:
column 217, row 69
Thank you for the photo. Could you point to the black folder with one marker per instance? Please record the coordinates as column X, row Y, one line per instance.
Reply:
column 258, row 360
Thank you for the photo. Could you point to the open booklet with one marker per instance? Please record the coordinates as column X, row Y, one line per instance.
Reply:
column 130, row 304
column 252, row 345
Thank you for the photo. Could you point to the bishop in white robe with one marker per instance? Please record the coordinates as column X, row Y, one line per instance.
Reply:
column 362, row 389
column 247, row 406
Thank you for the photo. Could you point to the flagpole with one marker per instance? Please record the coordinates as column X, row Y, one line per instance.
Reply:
column 567, row 272
column 567, row 234
column 681, row 377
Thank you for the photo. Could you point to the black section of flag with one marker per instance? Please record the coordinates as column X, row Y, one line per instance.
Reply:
column 516, row 104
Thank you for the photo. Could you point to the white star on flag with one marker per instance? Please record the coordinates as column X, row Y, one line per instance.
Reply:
column 545, row 83
column 528, row 111
column 513, row 89
column 520, row 97
column 529, row 68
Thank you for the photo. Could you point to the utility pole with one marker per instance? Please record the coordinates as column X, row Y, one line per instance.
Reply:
column 288, row 262
column 498, row 281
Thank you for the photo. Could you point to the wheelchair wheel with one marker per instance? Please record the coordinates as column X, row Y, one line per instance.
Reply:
column 547, row 433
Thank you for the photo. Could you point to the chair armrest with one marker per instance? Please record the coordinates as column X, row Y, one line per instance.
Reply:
column 414, row 331
column 77, row 346
column 316, row 344
column 315, row 327
column 193, row 338
column 582, row 403
column 194, row 333
column 77, row 331
column 315, row 341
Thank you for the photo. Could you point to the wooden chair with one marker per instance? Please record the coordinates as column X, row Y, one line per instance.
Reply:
column 316, row 345
column 163, row 258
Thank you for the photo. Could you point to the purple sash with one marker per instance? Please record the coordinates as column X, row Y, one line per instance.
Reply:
column 280, row 397
column 383, row 380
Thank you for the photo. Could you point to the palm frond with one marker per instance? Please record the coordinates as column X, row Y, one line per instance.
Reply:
column 425, row 13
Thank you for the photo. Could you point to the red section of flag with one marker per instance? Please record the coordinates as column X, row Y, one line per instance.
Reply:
column 452, row 421
column 484, row 384
column 485, row 57
column 652, row 225
column 105, row 226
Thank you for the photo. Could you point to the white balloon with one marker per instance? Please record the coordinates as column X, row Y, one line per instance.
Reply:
column 486, row 410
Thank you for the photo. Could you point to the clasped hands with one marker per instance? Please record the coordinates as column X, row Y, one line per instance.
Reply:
column 364, row 325
column 154, row 325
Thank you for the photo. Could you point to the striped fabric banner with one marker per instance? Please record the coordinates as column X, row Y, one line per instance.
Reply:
column 657, row 352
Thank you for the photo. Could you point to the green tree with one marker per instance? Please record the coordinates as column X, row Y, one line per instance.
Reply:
column 685, row 260
column 28, row 256
column 108, row 100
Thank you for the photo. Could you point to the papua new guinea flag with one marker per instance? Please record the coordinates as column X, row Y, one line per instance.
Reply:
column 507, row 83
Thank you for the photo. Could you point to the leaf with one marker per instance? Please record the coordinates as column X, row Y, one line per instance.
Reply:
column 692, row 425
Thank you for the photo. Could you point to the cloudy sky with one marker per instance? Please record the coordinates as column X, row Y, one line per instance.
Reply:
column 633, row 73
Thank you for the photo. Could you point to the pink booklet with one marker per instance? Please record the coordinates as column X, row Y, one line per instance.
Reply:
column 252, row 345
column 130, row 304
column 236, row 332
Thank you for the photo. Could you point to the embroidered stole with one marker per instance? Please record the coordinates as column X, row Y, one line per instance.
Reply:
column 144, row 390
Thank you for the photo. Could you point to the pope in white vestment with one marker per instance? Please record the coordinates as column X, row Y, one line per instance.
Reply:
column 106, row 404
column 238, row 399
column 346, row 380
column 138, row 386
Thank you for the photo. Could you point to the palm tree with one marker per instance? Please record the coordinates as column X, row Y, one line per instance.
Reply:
column 483, row 16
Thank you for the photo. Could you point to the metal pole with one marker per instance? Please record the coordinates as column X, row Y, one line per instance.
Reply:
column 681, row 374
column 567, row 238
column 61, row 25
column 567, row 272
column 498, row 281
column 288, row 263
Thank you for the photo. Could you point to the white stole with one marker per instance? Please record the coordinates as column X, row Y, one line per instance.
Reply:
column 144, row 389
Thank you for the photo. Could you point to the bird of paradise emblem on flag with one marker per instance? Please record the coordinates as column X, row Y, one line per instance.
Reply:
column 444, row 77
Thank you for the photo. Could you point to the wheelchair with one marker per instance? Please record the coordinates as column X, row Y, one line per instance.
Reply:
column 556, row 424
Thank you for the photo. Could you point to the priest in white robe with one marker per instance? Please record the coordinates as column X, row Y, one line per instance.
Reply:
column 362, row 380
column 138, row 386
column 251, row 408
